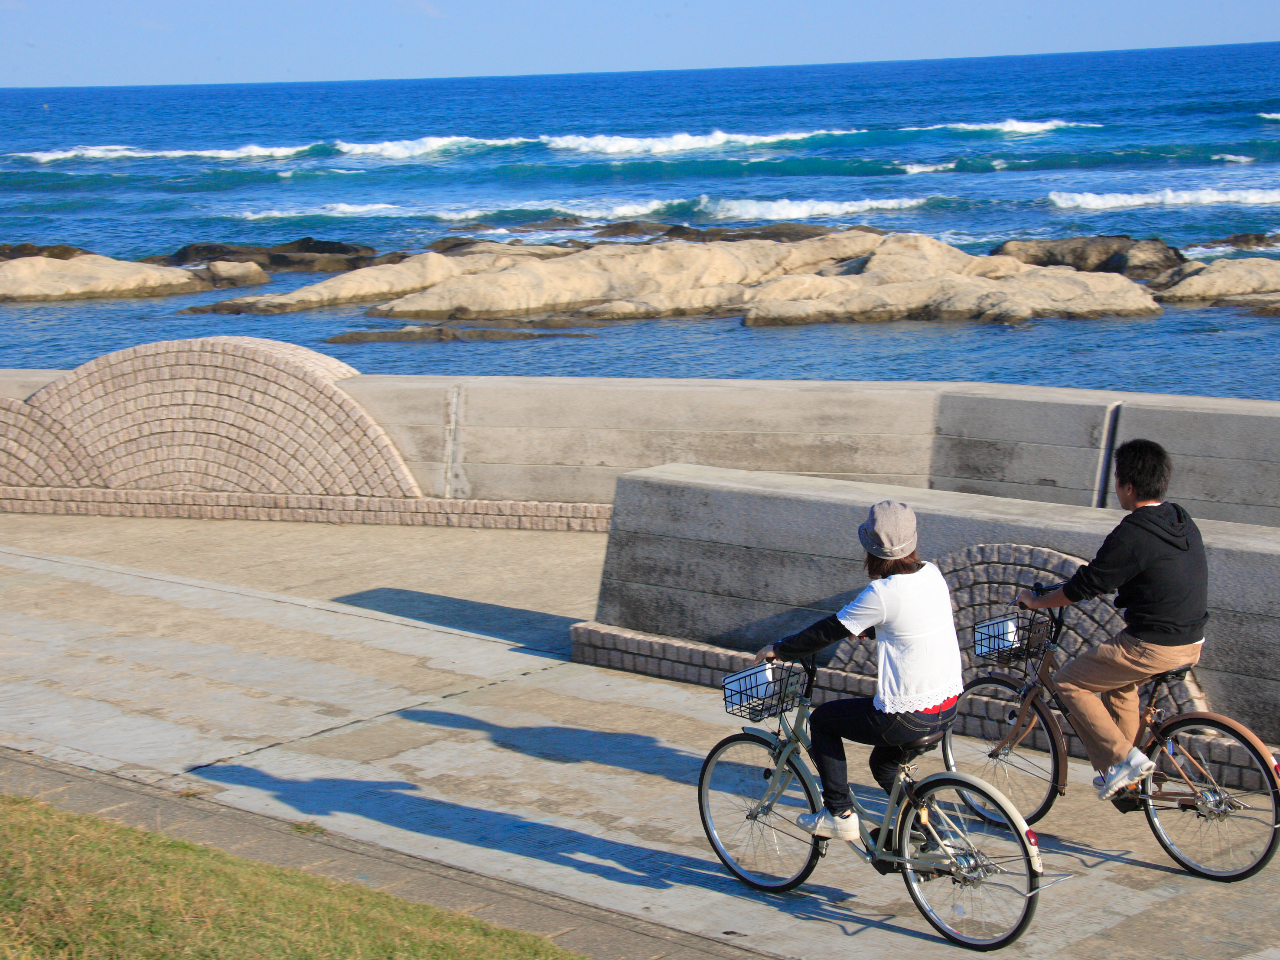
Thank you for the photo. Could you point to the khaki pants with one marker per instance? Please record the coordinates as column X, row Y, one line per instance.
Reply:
column 1115, row 669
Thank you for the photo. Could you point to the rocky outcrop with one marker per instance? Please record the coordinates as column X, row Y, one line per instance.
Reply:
column 307, row 254
column 1136, row 259
column 57, row 251
column 382, row 282
column 90, row 276
column 223, row 273
column 904, row 277
column 441, row 334
column 1259, row 304
column 1218, row 280
column 613, row 272
column 852, row 276
column 632, row 228
column 1038, row 292
column 1246, row 241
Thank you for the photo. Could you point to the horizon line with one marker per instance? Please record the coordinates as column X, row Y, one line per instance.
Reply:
column 625, row 73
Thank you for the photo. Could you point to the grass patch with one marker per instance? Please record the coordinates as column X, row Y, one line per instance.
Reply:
column 78, row 887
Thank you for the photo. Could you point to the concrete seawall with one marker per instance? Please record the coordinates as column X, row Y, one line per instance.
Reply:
column 737, row 559
column 548, row 447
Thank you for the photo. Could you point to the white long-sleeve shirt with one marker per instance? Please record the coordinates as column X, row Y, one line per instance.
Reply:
column 918, row 653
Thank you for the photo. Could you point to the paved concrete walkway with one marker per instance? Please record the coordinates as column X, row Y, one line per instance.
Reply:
column 495, row 755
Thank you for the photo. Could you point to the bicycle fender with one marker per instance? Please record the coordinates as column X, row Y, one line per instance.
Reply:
column 764, row 734
column 1244, row 732
column 1019, row 824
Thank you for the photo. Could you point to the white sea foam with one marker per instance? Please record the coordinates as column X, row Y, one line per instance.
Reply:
column 1205, row 253
column 1009, row 126
column 250, row 152
column 1113, row 201
column 408, row 149
column 1232, row 158
column 927, row 167
column 327, row 210
column 799, row 209
column 1270, row 116
column 677, row 143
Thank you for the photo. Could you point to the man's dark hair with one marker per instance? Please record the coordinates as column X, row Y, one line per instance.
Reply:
column 1144, row 464
column 878, row 567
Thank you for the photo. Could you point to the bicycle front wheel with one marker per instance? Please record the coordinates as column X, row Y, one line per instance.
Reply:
column 978, row 886
column 751, row 824
column 1023, row 771
column 1212, row 800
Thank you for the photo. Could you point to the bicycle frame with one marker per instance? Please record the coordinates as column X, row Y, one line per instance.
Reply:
column 1149, row 726
column 792, row 735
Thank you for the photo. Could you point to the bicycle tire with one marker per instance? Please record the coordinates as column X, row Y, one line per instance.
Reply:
column 985, row 897
column 1025, row 774
column 1194, row 818
column 768, row 852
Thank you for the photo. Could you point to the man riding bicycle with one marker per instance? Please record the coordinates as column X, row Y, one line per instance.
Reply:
column 1155, row 561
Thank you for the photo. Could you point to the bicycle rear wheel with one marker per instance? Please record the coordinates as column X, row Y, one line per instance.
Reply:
column 987, row 710
column 983, row 892
column 752, row 828
column 1212, row 801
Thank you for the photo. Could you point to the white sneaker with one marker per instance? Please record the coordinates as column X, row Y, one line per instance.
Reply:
column 826, row 824
column 1130, row 770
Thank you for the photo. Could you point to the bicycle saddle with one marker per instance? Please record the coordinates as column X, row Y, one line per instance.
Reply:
column 915, row 748
column 1173, row 676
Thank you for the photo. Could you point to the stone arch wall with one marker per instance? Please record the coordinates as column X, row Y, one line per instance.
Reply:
column 224, row 414
column 984, row 579
column 38, row 451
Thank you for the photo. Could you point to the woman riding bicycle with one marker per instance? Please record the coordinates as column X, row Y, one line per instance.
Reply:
column 906, row 609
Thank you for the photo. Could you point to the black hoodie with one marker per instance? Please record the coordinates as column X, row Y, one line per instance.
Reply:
column 1155, row 560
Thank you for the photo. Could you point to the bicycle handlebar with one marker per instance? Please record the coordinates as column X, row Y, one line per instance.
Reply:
column 1040, row 590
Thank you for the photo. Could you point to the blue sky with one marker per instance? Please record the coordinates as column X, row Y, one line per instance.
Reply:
column 83, row 43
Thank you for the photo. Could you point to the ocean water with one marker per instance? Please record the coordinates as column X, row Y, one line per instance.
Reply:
column 1183, row 144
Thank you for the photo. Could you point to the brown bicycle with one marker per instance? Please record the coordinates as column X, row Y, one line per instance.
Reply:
column 1213, row 800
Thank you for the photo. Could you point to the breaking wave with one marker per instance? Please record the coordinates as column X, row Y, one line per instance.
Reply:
column 799, row 209
column 250, row 152
column 1115, row 201
column 407, row 149
column 928, row 167
column 1008, row 126
column 327, row 210
column 677, row 143
column 1270, row 116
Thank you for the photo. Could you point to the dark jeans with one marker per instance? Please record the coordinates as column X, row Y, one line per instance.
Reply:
column 858, row 720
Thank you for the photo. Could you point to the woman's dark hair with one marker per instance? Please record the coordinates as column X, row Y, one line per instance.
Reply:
column 1144, row 464
column 878, row 567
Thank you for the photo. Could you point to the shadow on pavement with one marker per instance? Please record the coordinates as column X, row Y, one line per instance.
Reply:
column 628, row 751
column 1089, row 856
column 393, row 803
column 545, row 632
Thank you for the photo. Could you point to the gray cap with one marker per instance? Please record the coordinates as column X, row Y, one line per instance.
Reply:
column 890, row 530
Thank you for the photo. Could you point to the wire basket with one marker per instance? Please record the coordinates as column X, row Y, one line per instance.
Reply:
column 764, row 691
column 1012, row 637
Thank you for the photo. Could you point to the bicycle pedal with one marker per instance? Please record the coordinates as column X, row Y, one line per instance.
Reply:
column 885, row 867
column 1128, row 800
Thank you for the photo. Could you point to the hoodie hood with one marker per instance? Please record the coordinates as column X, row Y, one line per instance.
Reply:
column 1168, row 521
